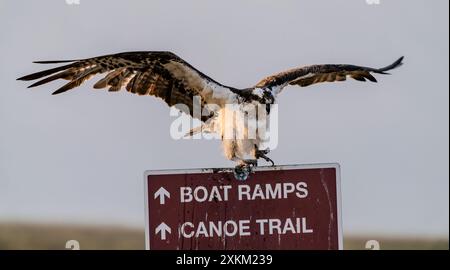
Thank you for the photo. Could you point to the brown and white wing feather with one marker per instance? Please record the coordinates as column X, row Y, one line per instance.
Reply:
column 305, row 76
column 160, row 74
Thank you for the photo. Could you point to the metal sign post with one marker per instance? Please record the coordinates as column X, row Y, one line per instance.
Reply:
column 277, row 208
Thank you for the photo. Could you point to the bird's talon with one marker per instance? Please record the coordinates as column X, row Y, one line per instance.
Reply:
column 242, row 171
column 262, row 154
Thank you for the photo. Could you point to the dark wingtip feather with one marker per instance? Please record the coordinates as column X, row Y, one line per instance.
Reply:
column 370, row 77
column 74, row 83
column 53, row 61
column 44, row 73
column 36, row 84
column 57, row 92
column 26, row 78
column 62, row 89
column 396, row 64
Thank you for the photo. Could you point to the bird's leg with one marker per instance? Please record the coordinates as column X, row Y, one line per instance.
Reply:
column 262, row 154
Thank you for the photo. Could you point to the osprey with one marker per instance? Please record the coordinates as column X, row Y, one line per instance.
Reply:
column 167, row 76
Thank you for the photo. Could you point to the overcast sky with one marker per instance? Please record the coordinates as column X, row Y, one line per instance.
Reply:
column 80, row 156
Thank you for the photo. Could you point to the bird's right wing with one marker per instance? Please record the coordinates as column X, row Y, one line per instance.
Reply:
column 160, row 74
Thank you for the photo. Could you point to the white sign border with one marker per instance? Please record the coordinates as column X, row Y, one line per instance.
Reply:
column 335, row 166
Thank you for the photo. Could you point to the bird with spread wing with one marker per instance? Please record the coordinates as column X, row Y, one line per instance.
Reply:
column 167, row 76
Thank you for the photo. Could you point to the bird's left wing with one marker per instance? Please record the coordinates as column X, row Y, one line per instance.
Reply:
column 305, row 76
column 160, row 74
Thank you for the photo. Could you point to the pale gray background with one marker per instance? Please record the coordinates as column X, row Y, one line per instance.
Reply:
column 80, row 157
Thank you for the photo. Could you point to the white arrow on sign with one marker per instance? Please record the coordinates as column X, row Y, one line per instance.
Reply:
column 162, row 193
column 163, row 228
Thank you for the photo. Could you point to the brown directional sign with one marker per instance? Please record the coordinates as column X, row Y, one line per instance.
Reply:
column 283, row 207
